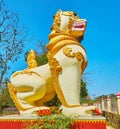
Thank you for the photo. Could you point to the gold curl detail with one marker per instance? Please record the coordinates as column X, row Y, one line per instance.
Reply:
column 28, row 72
column 68, row 52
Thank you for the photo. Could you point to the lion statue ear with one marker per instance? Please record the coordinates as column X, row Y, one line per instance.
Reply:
column 57, row 21
column 59, row 11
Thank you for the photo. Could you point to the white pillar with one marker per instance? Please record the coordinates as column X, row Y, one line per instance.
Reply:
column 103, row 104
column 108, row 104
column 118, row 102
column 99, row 106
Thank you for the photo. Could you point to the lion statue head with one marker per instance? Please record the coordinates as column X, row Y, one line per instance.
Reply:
column 67, row 28
column 69, row 23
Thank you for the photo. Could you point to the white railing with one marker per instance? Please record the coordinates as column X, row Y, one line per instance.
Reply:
column 110, row 105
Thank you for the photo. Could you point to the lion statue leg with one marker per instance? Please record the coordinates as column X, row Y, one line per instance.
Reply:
column 72, row 60
column 27, row 91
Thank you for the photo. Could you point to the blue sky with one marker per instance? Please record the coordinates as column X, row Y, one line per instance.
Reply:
column 101, row 40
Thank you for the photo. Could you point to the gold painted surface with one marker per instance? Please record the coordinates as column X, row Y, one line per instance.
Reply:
column 50, row 93
column 58, row 41
column 68, row 13
column 46, row 98
column 68, row 52
column 31, row 59
column 77, row 120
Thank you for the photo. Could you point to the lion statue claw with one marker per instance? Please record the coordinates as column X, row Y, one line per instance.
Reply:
column 34, row 86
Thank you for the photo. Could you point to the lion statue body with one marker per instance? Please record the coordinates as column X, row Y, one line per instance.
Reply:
column 32, row 87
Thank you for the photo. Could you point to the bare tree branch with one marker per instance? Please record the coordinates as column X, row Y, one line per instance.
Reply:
column 12, row 37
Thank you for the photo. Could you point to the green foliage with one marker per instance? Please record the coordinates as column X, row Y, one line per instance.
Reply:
column 42, row 59
column 117, row 122
column 5, row 99
column 113, row 120
column 52, row 122
column 83, row 93
column 55, row 101
column 99, row 98
column 9, row 111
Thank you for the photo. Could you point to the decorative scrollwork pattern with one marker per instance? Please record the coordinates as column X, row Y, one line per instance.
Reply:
column 78, row 55
column 68, row 52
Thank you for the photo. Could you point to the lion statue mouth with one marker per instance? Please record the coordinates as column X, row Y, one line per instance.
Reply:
column 79, row 26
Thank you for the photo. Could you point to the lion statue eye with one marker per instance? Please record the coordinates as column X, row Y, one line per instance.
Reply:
column 74, row 13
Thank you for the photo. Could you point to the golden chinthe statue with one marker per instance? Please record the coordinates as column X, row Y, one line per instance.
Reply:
column 34, row 86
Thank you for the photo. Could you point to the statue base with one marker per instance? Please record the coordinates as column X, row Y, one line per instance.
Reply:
column 83, row 122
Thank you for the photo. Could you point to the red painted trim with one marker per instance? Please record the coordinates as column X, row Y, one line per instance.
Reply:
column 78, row 124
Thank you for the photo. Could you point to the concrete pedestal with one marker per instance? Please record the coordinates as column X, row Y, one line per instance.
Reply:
column 19, row 122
